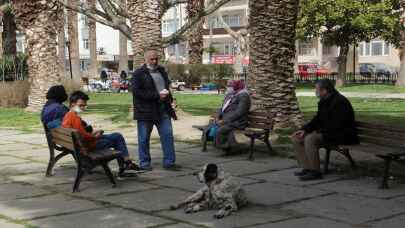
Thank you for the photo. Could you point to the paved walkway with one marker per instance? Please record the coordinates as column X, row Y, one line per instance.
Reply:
column 278, row 200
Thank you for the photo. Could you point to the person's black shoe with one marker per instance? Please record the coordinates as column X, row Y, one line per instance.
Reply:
column 124, row 173
column 129, row 165
column 300, row 173
column 173, row 167
column 311, row 175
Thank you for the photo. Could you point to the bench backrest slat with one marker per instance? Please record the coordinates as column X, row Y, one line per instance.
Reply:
column 379, row 134
column 64, row 137
column 379, row 141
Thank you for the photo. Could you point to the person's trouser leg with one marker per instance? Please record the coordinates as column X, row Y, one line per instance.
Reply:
column 312, row 144
column 116, row 141
column 144, row 131
column 165, row 130
column 299, row 149
column 222, row 137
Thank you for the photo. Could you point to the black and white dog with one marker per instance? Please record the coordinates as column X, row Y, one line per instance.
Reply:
column 221, row 192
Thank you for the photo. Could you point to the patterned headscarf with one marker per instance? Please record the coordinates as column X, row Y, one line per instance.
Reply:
column 238, row 85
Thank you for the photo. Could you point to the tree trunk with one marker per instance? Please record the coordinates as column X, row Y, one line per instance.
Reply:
column 9, row 34
column 145, row 18
column 401, row 73
column 342, row 62
column 93, row 71
column 272, row 51
column 74, row 43
column 62, row 47
column 123, row 43
column 40, row 21
column 195, row 35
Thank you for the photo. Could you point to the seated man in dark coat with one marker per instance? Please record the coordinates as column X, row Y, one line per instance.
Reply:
column 334, row 124
column 233, row 115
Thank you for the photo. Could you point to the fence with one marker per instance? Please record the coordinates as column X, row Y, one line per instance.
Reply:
column 350, row 78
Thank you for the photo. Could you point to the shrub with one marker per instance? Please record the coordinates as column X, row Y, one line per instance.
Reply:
column 14, row 94
column 13, row 68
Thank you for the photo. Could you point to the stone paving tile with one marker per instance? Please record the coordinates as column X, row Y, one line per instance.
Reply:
column 60, row 176
column 159, row 173
column 246, row 167
column 24, row 168
column 248, row 216
column 39, row 154
column 15, row 191
column 14, row 148
column 33, row 138
column 151, row 200
column 196, row 161
column 6, row 224
column 287, row 177
column 7, row 160
column 273, row 193
column 190, row 182
column 180, row 225
column 348, row 208
column 308, row 222
column 364, row 186
column 43, row 206
column 394, row 222
column 9, row 132
column 102, row 187
column 103, row 218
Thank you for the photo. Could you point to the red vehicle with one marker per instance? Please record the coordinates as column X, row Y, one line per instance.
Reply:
column 305, row 70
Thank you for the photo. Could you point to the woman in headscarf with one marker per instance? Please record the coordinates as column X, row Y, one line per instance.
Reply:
column 233, row 114
column 53, row 111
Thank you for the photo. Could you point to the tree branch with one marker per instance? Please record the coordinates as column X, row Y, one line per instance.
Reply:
column 178, row 35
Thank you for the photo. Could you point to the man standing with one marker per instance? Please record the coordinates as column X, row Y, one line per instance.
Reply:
column 153, row 107
column 334, row 124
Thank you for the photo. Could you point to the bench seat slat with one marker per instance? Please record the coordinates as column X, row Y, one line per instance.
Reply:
column 380, row 127
column 397, row 137
column 380, row 141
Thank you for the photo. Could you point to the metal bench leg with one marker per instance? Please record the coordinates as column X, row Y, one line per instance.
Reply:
column 268, row 144
column 252, row 144
column 108, row 172
column 384, row 183
column 349, row 157
column 51, row 163
column 80, row 173
column 327, row 159
column 204, row 141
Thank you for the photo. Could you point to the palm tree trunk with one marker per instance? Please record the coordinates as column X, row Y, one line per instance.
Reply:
column 62, row 47
column 342, row 63
column 401, row 73
column 123, row 44
column 93, row 71
column 195, row 35
column 74, row 42
column 272, row 52
column 40, row 21
column 145, row 18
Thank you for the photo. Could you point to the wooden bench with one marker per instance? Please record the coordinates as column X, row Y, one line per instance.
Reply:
column 69, row 142
column 260, row 125
column 383, row 141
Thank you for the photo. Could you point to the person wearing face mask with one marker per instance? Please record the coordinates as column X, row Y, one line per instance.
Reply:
column 153, row 106
column 233, row 114
column 96, row 140
column 333, row 124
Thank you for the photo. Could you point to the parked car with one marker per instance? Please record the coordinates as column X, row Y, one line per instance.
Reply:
column 378, row 69
column 178, row 85
column 308, row 69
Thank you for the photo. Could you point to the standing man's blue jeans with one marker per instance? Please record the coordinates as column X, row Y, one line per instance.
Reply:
column 116, row 141
column 164, row 127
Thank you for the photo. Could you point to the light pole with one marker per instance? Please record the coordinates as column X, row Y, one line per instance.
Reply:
column 70, row 59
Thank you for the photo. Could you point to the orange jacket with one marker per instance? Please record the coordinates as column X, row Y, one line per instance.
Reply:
column 72, row 120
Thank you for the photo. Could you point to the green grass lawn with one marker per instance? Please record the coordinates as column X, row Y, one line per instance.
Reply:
column 358, row 88
column 386, row 111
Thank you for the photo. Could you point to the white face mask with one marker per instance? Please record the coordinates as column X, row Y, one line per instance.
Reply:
column 152, row 67
column 77, row 109
column 229, row 90
column 317, row 94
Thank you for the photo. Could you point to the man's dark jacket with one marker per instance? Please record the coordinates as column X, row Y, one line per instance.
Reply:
column 236, row 114
column 146, row 99
column 335, row 121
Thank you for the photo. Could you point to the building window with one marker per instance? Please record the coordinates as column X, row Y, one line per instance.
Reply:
column 374, row 48
column 86, row 44
column 230, row 20
column 327, row 50
column 226, row 48
column 170, row 26
column 306, row 48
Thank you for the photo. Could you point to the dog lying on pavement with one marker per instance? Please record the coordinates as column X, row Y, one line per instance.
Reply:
column 221, row 192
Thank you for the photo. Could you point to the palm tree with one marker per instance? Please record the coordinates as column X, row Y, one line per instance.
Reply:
column 40, row 21
column 123, row 44
column 93, row 71
column 62, row 46
column 145, row 18
column 401, row 73
column 195, row 35
column 73, row 37
column 272, row 51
